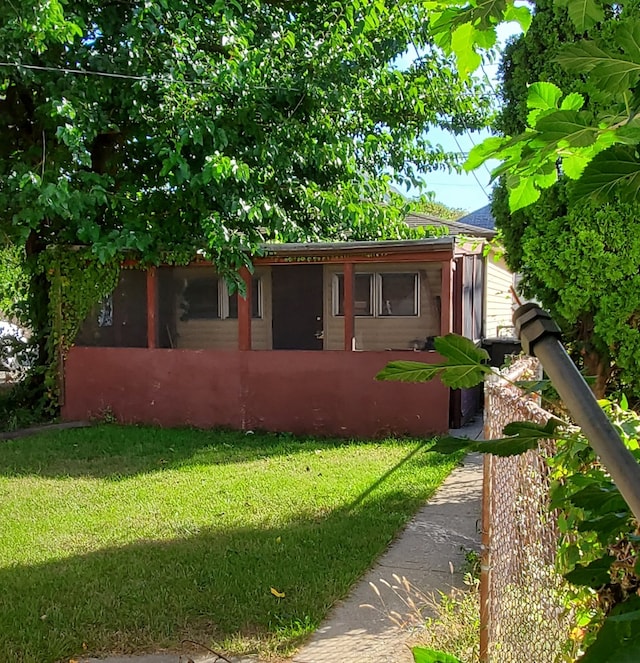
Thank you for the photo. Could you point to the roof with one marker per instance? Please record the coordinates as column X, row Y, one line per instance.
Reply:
column 323, row 248
column 482, row 218
column 457, row 227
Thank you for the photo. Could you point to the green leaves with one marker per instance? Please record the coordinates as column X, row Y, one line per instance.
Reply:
column 422, row 655
column 615, row 65
column 615, row 171
column 521, row 437
column 584, row 13
column 618, row 641
column 465, row 366
column 594, row 575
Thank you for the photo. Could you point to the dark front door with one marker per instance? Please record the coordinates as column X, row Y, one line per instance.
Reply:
column 297, row 307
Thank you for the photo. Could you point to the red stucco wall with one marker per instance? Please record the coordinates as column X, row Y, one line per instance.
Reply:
column 328, row 393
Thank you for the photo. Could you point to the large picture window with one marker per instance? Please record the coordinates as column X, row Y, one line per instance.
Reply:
column 380, row 294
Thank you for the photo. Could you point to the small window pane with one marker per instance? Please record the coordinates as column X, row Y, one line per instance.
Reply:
column 200, row 299
column 398, row 294
column 361, row 295
column 256, row 300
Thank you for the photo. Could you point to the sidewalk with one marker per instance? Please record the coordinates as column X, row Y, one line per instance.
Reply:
column 429, row 553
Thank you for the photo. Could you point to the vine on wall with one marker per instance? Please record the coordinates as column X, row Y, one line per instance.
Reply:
column 78, row 280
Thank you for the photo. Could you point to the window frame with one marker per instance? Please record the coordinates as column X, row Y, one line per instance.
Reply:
column 416, row 294
column 335, row 297
column 375, row 285
column 224, row 296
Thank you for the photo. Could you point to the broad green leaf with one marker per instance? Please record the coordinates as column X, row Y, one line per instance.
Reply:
column 595, row 574
column 567, row 127
column 450, row 444
column 573, row 165
column 522, row 16
column 484, row 14
column 606, row 527
column 422, row 655
column 545, row 180
column 409, row 371
column 618, row 641
column 573, row 101
column 462, row 42
column 543, row 95
column 463, row 376
column 460, row 350
column 487, row 149
column 583, row 13
column 524, row 194
column 599, row 498
column 464, row 367
column 611, row 70
column 523, row 436
column 614, row 171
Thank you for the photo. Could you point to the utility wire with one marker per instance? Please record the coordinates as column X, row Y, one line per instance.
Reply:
column 132, row 77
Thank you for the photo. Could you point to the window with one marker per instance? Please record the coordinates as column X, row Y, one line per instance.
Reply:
column 398, row 294
column 200, row 298
column 362, row 295
column 383, row 294
column 208, row 298
column 256, row 300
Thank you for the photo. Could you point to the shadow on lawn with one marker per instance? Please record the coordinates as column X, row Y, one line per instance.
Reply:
column 206, row 587
column 116, row 452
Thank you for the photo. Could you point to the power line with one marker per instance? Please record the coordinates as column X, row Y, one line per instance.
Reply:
column 132, row 77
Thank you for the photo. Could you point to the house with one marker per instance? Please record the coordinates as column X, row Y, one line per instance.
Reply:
column 500, row 282
column 173, row 346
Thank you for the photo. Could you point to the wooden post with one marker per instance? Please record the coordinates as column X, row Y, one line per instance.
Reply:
column 244, row 312
column 347, row 303
column 152, row 308
column 446, row 296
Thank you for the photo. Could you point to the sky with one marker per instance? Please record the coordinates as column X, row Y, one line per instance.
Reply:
column 463, row 191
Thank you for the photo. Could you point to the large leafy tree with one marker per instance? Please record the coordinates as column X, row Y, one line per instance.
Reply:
column 579, row 258
column 185, row 124
column 180, row 125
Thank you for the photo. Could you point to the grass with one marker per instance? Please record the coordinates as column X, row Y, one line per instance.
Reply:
column 129, row 539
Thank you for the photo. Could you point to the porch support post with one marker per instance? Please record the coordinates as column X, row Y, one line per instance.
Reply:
column 446, row 298
column 244, row 312
column 349, row 319
column 152, row 308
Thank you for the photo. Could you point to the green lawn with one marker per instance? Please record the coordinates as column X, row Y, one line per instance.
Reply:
column 129, row 539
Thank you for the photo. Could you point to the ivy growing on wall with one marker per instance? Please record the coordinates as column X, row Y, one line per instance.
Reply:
column 78, row 281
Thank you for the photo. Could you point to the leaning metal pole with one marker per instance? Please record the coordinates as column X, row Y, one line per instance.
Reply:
column 540, row 337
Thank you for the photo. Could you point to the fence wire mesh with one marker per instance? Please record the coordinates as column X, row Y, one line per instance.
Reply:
column 522, row 615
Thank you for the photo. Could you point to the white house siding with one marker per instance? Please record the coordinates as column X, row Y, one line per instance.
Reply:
column 499, row 300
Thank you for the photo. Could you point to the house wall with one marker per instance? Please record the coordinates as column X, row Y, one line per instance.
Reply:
column 382, row 333
column 499, row 300
column 304, row 392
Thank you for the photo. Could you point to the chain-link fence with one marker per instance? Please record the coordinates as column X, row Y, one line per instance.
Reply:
column 522, row 615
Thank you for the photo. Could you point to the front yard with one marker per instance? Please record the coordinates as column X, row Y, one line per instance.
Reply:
column 129, row 539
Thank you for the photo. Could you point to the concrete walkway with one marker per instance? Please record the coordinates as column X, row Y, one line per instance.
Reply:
column 429, row 553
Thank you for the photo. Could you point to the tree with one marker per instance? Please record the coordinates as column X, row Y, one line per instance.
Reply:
column 173, row 126
column 579, row 259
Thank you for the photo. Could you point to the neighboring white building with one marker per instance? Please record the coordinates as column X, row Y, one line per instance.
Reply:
column 499, row 283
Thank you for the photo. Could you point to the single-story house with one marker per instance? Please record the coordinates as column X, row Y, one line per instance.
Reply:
column 172, row 346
